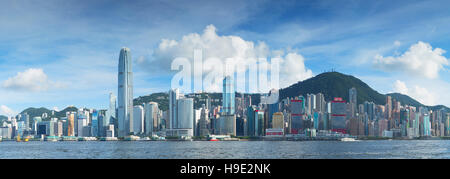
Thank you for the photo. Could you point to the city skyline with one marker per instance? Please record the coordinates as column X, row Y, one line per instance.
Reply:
column 294, row 117
column 51, row 71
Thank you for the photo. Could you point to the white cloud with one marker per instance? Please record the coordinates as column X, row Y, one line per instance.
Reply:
column 420, row 59
column 400, row 87
column 6, row 111
column 30, row 80
column 292, row 68
column 417, row 92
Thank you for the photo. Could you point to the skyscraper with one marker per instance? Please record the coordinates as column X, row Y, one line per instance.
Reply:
column 204, row 123
column 228, row 118
column 278, row 120
column 251, row 120
column 125, row 93
column 138, row 119
column 320, row 102
column 297, row 115
column 388, row 107
column 70, row 120
column 174, row 95
column 185, row 119
column 259, row 123
column 151, row 117
column 111, row 112
column 94, row 124
column 353, row 101
column 82, row 122
column 338, row 115
column 228, row 96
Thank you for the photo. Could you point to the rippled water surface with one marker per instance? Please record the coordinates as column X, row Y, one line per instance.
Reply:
column 228, row 149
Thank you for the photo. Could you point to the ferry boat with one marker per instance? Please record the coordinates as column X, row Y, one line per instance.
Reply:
column 132, row 138
column 52, row 138
column 69, row 138
column 109, row 139
column 89, row 138
column 214, row 139
column 348, row 139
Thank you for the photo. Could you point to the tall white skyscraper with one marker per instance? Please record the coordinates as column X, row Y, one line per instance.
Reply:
column 151, row 117
column 125, row 93
column 82, row 122
column 138, row 119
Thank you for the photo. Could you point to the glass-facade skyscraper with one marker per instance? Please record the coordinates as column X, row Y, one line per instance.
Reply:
column 185, row 119
column 94, row 124
column 228, row 96
column 174, row 95
column 125, row 93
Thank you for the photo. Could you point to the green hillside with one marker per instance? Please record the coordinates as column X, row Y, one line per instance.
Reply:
column 333, row 84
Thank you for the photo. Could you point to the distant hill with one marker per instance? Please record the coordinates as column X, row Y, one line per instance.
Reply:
column 37, row 112
column 161, row 98
column 64, row 111
column 3, row 118
column 333, row 84
column 406, row 100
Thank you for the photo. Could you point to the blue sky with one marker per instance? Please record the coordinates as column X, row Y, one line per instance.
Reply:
column 60, row 53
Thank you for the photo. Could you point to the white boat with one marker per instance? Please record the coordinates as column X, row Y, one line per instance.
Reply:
column 347, row 139
column 132, row 138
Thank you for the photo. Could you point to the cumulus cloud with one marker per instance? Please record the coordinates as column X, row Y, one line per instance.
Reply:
column 418, row 93
column 293, row 69
column 232, row 48
column 6, row 111
column 32, row 79
column 400, row 87
column 420, row 59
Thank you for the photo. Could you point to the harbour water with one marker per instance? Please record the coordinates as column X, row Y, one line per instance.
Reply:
column 368, row 149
